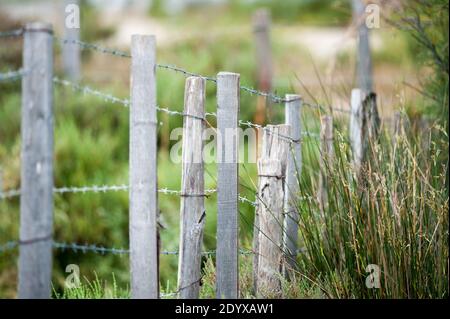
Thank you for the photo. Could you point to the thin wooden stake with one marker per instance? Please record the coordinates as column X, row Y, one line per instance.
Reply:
column 192, row 209
column 36, row 199
column 364, row 125
column 227, row 282
column 261, row 30
column 292, row 189
column 143, row 169
column 271, row 170
column 364, row 66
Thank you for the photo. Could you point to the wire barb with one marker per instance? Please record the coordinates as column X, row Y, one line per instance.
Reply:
column 11, row 33
column 97, row 189
column 11, row 75
column 94, row 47
column 89, row 46
column 87, row 90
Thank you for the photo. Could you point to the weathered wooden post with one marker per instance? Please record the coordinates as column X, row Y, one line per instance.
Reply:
column 143, row 169
column 36, row 199
column 364, row 61
column 364, row 125
column 192, row 210
column 292, row 190
column 227, row 282
column 271, row 172
column 71, row 54
column 261, row 30
column 326, row 158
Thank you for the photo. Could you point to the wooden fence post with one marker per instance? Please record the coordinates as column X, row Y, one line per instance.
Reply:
column 192, row 211
column 227, row 275
column 293, row 172
column 326, row 157
column 271, row 171
column 364, row 66
column 364, row 125
column 143, row 169
column 261, row 30
column 36, row 199
column 71, row 55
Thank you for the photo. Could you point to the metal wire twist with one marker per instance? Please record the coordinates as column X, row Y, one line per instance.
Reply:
column 11, row 33
column 11, row 75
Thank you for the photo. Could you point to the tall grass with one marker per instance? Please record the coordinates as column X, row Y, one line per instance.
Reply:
column 394, row 214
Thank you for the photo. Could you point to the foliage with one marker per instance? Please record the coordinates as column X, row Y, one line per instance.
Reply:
column 394, row 214
column 399, row 223
column 427, row 24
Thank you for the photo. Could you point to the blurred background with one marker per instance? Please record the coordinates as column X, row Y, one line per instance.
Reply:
column 313, row 53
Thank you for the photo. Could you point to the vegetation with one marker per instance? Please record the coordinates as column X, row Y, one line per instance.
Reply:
column 396, row 218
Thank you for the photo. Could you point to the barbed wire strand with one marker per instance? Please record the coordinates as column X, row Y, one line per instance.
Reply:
column 99, row 249
column 11, row 33
column 90, row 46
column 113, row 99
column 11, row 75
column 126, row 103
column 96, row 189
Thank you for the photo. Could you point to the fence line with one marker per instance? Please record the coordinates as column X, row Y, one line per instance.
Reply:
column 113, row 99
column 97, row 189
column 114, row 188
column 99, row 249
column 87, row 90
column 126, row 103
column 143, row 192
column 89, row 46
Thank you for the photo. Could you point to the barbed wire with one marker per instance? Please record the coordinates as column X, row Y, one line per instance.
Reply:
column 89, row 46
column 9, row 194
column 11, row 33
column 9, row 245
column 243, row 199
column 97, row 189
column 123, row 187
column 126, row 103
column 87, row 90
column 113, row 99
column 282, row 136
column 11, row 75
column 99, row 249
column 91, row 189
column 89, row 248
column 115, row 52
column 186, row 73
